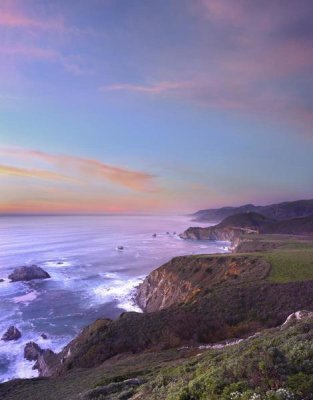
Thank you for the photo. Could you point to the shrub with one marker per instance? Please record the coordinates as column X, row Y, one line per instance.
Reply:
column 301, row 384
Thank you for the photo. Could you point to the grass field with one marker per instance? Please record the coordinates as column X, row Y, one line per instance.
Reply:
column 291, row 260
column 290, row 265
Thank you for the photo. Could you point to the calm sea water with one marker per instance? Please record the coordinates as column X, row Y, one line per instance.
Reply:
column 90, row 277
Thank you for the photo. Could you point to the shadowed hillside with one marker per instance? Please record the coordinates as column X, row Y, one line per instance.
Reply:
column 286, row 210
column 233, row 227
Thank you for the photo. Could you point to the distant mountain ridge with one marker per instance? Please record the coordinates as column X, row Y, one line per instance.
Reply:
column 234, row 226
column 249, row 219
column 280, row 211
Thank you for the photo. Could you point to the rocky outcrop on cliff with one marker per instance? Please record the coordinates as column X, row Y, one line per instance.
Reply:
column 46, row 360
column 219, row 314
column 230, row 228
column 161, row 289
column 183, row 278
column 224, row 234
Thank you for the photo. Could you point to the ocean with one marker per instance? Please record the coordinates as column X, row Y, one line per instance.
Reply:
column 90, row 277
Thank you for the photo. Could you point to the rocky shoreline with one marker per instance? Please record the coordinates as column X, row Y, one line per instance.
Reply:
column 192, row 306
column 208, row 300
column 184, row 303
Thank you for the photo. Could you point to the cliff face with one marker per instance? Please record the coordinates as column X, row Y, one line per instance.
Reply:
column 226, row 234
column 231, row 228
column 161, row 289
column 183, row 278
column 219, row 314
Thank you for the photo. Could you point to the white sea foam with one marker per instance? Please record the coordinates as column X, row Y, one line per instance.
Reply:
column 57, row 264
column 13, row 352
column 120, row 290
column 110, row 275
column 23, row 369
column 26, row 298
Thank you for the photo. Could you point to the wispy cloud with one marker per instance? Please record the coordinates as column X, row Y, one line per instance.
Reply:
column 30, row 52
column 36, row 35
column 8, row 170
column 250, row 65
column 224, row 11
column 13, row 18
column 34, row 53
column 156, row 88
column 23, row 16
column 88, row 170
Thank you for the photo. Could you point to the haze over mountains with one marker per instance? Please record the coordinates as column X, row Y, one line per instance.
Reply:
column 280, row 211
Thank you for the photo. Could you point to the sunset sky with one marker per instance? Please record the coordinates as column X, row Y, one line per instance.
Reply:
column 154, row 105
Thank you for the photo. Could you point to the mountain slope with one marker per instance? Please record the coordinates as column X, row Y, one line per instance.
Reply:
column 233, row 227
column 292, row 209
column 275, row 362
column 294, row 226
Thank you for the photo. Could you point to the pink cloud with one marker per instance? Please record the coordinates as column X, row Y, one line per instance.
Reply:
column 32, row 173
column 157, row 88
column 13, row 16
column 12, row 20
column 225, row 11
column 16, row 15
column 87, row 169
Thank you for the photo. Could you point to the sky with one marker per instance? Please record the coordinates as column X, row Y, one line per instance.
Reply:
column 154, row 106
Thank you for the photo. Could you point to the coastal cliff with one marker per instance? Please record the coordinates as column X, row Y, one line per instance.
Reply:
column 193, row 300
column 236, row 228
column 183, row 278
column 196, row 306
column 229, row 229
column 224, row 234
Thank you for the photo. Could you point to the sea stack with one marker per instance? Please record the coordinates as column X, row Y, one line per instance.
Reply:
column 28, row 273
column 11, row 334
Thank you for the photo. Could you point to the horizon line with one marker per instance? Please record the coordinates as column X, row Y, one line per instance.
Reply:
column 85, row 214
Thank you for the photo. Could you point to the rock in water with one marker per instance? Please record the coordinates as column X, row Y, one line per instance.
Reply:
column 11, row 334
column 46, row 359
column 32, row 351
column 28, row 273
